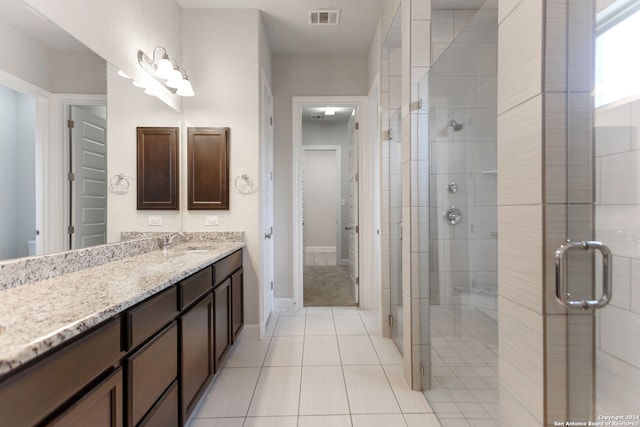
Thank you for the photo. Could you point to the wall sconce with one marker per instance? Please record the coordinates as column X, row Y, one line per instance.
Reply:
column 166, row 71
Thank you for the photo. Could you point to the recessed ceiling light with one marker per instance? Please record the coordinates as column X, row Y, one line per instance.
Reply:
column 330, row 111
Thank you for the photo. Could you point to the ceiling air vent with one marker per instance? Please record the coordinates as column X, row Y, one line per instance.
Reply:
column 318, row 117
column 324, row 17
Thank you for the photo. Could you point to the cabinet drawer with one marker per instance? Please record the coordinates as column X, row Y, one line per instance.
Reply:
column 223, row 268
column 150, row 371
column 101, row 407
column 191, row 288
column 47, row 384
column 165, row 413
column 148, row 317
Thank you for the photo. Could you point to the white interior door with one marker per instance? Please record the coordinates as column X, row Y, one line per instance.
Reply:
column 89, row 180
column 352, row 225
column 267, row 197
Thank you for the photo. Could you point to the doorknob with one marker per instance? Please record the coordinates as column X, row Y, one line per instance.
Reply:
column 562, row 287
column 348, row 228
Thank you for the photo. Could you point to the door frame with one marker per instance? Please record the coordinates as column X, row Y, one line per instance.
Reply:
column 44, row 160
column 298, row 103
column 266, row 295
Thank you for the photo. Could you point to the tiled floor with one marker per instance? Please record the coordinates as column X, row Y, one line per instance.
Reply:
column 464, row 389
column 319, row 367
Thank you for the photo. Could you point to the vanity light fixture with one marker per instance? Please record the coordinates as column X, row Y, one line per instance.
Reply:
column 166, row 70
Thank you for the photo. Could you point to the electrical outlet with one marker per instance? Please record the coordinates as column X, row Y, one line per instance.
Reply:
column 211, row 220
column 154, row 220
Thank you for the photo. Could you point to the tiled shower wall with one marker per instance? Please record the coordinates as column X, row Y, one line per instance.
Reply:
column 463, row 88
column 617, row 150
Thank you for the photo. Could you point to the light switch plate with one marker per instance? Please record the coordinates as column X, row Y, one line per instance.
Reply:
column 211, row 220
column 155, row 220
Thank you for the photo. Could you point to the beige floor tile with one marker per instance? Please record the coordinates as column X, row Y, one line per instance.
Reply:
column 271, row 422
column 319, row 311
column 324, row 421
column 247, row 353
column 369, row 390
column 357, row 350
column 345, row 311
column 319, row 325
column 421, row 420
column 323, row 391
column 285, row 351
column 216, row 422
column 321, row 351
column 277, row 392
column 387, row 351
column 349, row 325
column 231, row 394
column 379, row 420
column 410, row 401
column 290, row 326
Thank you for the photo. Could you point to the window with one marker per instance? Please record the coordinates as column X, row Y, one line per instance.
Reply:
column 618, row 53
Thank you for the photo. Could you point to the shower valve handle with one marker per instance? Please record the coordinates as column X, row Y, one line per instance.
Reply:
column 453, row 215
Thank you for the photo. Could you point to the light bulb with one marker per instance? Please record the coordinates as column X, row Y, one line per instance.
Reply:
column 164, row 68
column 185, row 88
column 175, row 79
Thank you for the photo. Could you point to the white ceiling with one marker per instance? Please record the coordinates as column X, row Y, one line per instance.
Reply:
column 289, row 33
column 27, row 20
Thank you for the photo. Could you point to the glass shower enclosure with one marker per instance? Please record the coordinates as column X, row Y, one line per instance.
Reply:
column 461, row 139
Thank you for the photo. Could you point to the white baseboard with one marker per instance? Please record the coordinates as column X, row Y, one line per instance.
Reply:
column 282, row 303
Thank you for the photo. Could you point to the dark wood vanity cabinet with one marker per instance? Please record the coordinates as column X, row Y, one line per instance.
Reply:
column 61, row 381
column 196, row 350
column 100, row 407
column 237, row 304
column 147, row 366
column 222, row 309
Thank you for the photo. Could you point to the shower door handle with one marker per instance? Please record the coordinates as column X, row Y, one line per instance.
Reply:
column 562, row 287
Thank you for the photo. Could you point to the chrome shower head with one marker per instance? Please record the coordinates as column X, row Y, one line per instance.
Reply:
column 457, row 127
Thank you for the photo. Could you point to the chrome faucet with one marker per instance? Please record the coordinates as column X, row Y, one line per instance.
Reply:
column 167, row 242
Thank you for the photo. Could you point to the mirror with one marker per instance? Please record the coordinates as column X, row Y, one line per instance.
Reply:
column 43, row 70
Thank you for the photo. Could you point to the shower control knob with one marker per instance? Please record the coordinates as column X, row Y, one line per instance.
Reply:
column 452, row 215
column 452, row 187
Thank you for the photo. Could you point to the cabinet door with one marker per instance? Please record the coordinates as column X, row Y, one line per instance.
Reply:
column 237, row 303
column 208, row 168
column 100, row 407
column 222, row 311
column 196, row 347
column 157, row 168
column 150, row 372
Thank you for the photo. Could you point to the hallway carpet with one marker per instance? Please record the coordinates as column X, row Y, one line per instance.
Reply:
column 326, row 285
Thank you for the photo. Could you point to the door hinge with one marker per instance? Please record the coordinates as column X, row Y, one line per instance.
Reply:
column 272, row 285
column 71, row 124
column 421, row 370
column 270, row 176
column 391, row 320
column 271, row 120
column 357, row 125
column 357, row 177
column 416, row 105
column 71, row 177
column 71, row 229
column 387, row 135
column 357, row 228
column 357, row 280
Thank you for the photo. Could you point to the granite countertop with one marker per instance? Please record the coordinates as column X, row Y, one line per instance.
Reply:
column 36, row 317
